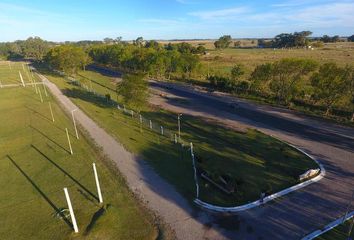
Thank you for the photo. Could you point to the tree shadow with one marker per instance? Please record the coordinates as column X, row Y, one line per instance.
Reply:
column 44, row 135
column 88, row 97
column 46, row 198
column 65, row 172
column 94, row 219
column 217, row 108
column 104, row 71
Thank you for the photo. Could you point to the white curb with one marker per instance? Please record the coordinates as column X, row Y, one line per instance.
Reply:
column 328, row 227
column 270, row 197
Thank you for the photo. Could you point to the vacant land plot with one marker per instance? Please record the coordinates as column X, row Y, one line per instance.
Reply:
column 250, row 162
column 223, row 60
column 35, row 166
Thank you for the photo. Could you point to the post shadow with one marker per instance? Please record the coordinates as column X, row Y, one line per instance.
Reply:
column 50, row 139
column 57, row 210
column 65, row 172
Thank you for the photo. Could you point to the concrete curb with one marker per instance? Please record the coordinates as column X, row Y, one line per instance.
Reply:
column 270, row 197
column 328, row 227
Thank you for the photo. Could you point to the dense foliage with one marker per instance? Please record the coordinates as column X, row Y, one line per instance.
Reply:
column 150, row 58
column 67, row 58
column 33, row 48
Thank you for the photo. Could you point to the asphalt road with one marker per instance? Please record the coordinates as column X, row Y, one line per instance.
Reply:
column 296, row 214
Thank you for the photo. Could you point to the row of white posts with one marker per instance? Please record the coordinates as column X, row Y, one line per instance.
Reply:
column 67, row 196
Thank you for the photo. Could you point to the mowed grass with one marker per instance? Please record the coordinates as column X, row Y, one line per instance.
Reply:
column 35, row 166
column 256, row 161
column 9, row 73
column 338, row 233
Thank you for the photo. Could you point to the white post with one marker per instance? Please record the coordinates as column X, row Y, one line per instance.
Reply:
column 192, row 149
column 45, row 90
column 175, row 138
column 161, row 127
column 150, row 124
column 118, row 106
column 72, row 114
column 67, row 135
column 73, row 219
column 132, row 112
column 23, row 83
column 97, row 183
column 40, row 94
column 51, row 111
column 35, row 85
column 141, row 119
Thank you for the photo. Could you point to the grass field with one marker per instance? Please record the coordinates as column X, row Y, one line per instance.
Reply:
column 9, row 73
column 338, row 233
column 253, row 160
column 223, row 60
column 35, row 166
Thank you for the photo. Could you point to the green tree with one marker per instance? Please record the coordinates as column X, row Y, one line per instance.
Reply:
column 34, row 48
column 67, row 58
column 223, row 42
column 330, row 83
column 286, row 76
column 237, row 71
column 261, row 76
column 134, row 90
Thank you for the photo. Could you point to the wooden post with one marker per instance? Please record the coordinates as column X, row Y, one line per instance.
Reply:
column 67, row 135
column 72, row 114
column 40, row 94
column 51, row 111
column 97, row 183
column 73, row 219
column 23, row 83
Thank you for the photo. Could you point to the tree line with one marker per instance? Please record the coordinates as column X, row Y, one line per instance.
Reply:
column 290, row 80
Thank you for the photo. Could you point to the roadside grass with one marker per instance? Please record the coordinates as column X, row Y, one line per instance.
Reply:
column 338, row 233
column 254, row 161
column 35, row 166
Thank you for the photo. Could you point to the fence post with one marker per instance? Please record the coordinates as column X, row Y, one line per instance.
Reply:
column 73, row 219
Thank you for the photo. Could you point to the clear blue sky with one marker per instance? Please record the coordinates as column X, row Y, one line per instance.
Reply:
column 170, row 19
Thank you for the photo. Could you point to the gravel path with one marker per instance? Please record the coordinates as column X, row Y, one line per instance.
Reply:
column 155, row 192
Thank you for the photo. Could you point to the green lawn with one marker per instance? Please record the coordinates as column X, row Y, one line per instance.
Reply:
column 338, row 233
column 9, row 73
column 35, row 166
column 253, row 161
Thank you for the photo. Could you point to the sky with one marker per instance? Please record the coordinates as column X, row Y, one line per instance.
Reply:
column 74, row 20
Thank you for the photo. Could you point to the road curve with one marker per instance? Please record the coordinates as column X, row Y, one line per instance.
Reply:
column 296, row 214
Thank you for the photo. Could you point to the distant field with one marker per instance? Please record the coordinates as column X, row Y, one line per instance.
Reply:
column 221, row 61
column 256, row 161
column 35, row 166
